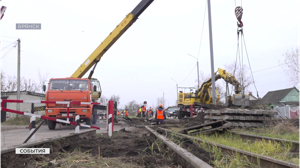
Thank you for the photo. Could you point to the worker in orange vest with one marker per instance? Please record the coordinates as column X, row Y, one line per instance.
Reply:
column 139, row 112
column 150, row 112
column 160, row 115
column 126, row 113
column 143, row 110
column 118, row 113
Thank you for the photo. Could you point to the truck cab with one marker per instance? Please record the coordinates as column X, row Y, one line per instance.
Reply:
column 69, row 89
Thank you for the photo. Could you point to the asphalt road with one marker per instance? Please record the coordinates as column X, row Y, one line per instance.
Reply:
column 15, row 135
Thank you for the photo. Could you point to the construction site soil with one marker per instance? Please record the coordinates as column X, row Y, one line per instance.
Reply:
column 134, row 148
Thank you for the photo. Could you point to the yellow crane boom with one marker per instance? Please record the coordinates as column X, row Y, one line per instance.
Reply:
column 95, row 57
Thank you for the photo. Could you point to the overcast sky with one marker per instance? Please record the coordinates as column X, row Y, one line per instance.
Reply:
column 140, row 65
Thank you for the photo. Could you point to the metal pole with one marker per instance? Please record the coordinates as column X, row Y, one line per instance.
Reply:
column 18, row 76
column 176, row 88
column 42, row 122
column 198, row 72
column 211, row 54
column 163, row 98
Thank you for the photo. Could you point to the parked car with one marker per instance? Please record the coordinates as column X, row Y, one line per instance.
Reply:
column 171, row 112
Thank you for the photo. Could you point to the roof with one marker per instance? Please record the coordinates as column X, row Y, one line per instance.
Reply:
column 27, row 92
column 275, row 96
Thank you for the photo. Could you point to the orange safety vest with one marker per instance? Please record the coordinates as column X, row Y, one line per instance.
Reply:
column 140, row 110
column 144, row 109
column 126, row 113
column 150, row 110
column 118, row 113
column 160, row 114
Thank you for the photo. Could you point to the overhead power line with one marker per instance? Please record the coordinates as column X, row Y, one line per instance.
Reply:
column 7, row 52
column 188, row 74
column 8, row 46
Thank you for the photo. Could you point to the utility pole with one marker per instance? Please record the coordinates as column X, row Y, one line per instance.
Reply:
column 177, row 87
column 197, row 69
column 163, row 98
column 18, row 75
column 211, row 54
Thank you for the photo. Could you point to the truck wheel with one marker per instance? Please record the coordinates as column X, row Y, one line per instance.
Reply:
column 51, row 124
column 89, row 121
column 179, row 115
column 94, row 119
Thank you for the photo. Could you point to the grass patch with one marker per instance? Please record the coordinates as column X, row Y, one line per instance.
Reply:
column 281, row 131
column 79, row 159
column 264, row 147
column 20, row 120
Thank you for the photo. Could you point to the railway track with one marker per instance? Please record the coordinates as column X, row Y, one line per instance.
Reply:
column 295, row 144
column 258, row 160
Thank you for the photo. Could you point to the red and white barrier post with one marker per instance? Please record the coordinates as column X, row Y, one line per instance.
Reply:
column 77, row 122
column 110, row 118
column 32, row 127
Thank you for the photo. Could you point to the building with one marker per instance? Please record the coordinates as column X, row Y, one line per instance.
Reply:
column 284, row 101
column 25, row 107
column 289, row 96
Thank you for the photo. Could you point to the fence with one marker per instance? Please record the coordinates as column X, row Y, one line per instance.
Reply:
column 287, row 112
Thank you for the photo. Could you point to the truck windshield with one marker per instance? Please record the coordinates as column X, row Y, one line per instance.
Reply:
column 67, row 84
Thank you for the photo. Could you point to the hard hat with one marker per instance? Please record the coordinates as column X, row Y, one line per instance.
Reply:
column 160, row 105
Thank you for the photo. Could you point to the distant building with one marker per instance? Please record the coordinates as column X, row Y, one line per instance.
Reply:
column 289, row 96
column 284, row 101
column 25, row 107
column 251, row 97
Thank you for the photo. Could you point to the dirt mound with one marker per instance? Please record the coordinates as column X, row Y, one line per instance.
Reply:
column 137, row 148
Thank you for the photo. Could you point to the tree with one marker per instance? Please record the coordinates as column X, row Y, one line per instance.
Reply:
column 2, row 80
column 291, row 60
column 29, row 85
column 241, row 74
column 103, row 100
column 132, row 106
column 115, row 98
column 42, row 80
column 160, row 100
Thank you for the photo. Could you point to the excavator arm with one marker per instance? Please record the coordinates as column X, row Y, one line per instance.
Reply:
column 204, row 92
column 95, row 57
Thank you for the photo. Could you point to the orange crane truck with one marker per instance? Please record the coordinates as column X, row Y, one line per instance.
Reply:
column 76, row 88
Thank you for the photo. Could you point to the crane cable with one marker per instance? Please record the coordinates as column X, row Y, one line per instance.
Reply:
column 241, row 64
column 250, row 65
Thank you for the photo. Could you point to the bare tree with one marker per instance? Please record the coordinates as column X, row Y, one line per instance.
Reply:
column 132, row 106
column 115, row 98
column 103, row 100
column 291, row 60
column 8, row 83
column 160, row 100
column 42, row 80
column 2, row 81
column 242, row 74
column 28, row 85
